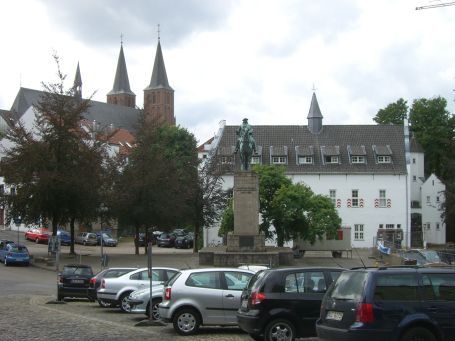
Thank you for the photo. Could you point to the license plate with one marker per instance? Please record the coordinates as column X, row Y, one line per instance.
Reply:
column 77, row 281
column 334, row 315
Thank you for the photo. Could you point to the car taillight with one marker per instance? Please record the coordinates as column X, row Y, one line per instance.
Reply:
column 256, row 297
column 167, row 294
column 103, row 284
column 93, row 281
column 364, row 313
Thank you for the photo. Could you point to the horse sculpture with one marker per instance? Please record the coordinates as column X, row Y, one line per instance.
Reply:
column 246, row 148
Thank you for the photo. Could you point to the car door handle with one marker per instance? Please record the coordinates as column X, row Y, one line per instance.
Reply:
column 229, row 296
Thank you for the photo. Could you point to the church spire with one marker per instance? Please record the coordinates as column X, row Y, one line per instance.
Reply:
column 314, row 116
column 77, row 86
column 158, row 95
column 121, row 93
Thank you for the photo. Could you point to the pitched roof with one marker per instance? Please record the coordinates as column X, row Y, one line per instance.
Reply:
column 121, row 81
column 314, row 111
column 77, row 77
column 415, row 146
column 159, row 76
column 332, row 135
column 104, row 114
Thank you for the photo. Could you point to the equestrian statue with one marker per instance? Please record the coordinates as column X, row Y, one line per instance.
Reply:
column 245, row 145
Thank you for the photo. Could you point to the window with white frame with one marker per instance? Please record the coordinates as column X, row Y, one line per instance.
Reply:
column 384, row 159
column 381, row 226
column 279, row 160
column 333, row 196
column 304, row 160
column 389, row 226
column 358, row 231
column 437, row 226
column 355, row 198
column 398, row 226
column 255, row 160
column 382, row 198
column 357, row 159
column 331, row 159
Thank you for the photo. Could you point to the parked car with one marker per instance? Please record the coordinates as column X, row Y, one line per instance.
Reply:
column 166, row 239
column 116, row 290
column 179, row 232
column 95, row 281
column 74, row 281
column 12, row 253
column 284, row 303
column 422, row 257
column 108, row 240
column 86, row 238
column 203, row 297
column 3, row 242
column 64, row 236
column 153, row 236
column 38, row 235
column 139, row 301
column 399, row 304
column 184, row 242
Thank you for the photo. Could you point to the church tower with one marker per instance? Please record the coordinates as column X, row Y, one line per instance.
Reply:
column 158, row 95
column 121, row 93
column 77, row 86
column 314, row 116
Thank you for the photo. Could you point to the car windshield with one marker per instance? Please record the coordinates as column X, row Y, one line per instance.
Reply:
column 106, row 235
column 73, row 270
column 349, row 286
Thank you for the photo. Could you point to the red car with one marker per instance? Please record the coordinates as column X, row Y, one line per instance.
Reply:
column 39, row 235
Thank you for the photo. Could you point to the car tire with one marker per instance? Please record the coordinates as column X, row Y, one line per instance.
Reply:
column 279, row 329
column 124, row 306
column 186, row 321
column 155, row 311
column 104, row 304
column 418, row 333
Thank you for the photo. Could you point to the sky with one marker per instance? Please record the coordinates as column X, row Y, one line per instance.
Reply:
column 230, row 59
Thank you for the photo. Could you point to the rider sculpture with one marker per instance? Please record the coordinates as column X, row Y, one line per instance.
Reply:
column 245, row 145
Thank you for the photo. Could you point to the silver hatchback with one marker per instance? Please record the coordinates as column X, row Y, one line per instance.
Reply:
column 203, row 297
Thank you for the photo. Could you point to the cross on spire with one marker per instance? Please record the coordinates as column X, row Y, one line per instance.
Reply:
column 121, row 38
column 314, row 88
column 158, row 32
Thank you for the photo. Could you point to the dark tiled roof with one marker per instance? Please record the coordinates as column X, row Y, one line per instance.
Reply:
column 415, row 146
column 103, row 113
column 159, row 75
column 331, row 135
column 330, row 150
column 304, row 150
column 258, row 150
column 356, row 150
column 121, row 81
column 279, row 150
column 382, row 150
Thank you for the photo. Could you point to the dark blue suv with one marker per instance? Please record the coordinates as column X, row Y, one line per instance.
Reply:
column 393, row 304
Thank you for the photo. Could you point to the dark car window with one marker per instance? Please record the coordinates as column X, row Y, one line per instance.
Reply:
column 439, row 286
column 236, row 280
column 335, row 275
column 77, row 271
column 305, row 282
column 256, row 278
column 401, row 287
column 349, row 286
column 15, row 248
column 210, row 280
column 170, row 273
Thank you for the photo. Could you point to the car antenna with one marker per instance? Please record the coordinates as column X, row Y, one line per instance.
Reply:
column 338, row 264
column 357, row 252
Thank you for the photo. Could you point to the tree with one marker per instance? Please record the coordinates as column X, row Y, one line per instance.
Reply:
column 227, row 220
column 394, row 113
column 433, row 127
column 48, row 165
column 155, row 188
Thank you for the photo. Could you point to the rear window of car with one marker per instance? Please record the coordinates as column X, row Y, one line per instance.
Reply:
column 257, row 277
column 15, row 248
column 396, row 287
column 439, row 286
column 70, row 270
column 172, row 279
column 349, row 286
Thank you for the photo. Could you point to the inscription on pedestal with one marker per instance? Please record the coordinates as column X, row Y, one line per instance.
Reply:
column 246, row 241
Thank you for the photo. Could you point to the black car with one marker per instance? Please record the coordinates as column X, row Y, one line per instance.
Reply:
column 74, row 281
column 184, row 242
column 396, row 304
column 282, row 304
column 108, row 240
column 95, row 282
column 166, row 239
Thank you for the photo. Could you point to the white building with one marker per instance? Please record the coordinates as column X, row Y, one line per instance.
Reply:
column 362, row 168
column 433, row 197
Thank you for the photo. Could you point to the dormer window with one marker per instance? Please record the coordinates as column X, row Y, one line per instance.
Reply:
column 305, row 160
column 255, row 160
column 357, row 159
column 331, row 159
column 279, row 155
column 384, row 159
column 279, row 160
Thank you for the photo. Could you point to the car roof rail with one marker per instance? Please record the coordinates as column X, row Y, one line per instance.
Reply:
column 399, row 267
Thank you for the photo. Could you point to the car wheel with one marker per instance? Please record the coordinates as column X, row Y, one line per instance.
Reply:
column 104, row 304
column 418, row 334
column 124, row 306
column 186, row 321
column 155, row 311
column 280, row 329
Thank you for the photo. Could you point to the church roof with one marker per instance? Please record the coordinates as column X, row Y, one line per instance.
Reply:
column 103, row 113
column 77, row 77
column 159, row 76
column 333, row 139
column 121, row 81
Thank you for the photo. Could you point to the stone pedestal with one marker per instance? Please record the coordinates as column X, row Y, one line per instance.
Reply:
column 246, row 237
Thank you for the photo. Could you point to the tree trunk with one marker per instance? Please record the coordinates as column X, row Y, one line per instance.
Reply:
column 72, row 236
column 146, row 241
column 136, row 238
column 196, row 239
column 55, row 221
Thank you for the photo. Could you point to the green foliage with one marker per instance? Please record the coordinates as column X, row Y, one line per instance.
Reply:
column 394, row 113
column 227, row 220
